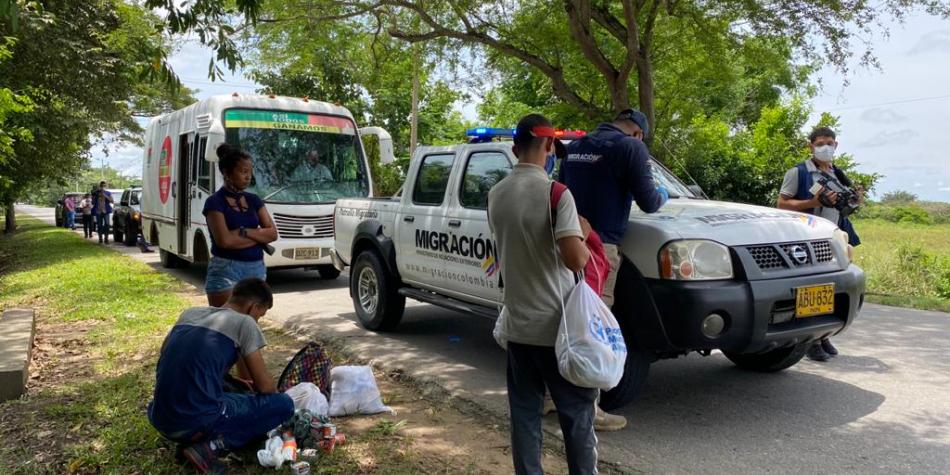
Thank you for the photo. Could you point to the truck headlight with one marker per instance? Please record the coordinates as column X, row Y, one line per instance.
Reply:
column 842, row 237
column 135, row 216
column 695, row 260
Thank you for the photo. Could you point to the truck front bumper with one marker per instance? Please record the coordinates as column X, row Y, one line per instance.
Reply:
column 667, row 316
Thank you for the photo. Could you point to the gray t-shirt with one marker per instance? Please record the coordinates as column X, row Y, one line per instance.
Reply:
column 238, row 327
column 530, row 269
column 790, row 188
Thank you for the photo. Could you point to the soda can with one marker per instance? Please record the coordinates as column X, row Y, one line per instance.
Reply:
column 329, row 430
column 300, row 468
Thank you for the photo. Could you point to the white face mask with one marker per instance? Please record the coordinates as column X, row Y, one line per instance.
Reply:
column 824, row 153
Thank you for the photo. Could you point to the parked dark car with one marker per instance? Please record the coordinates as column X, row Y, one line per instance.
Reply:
column 60, row 212
column 127, row 217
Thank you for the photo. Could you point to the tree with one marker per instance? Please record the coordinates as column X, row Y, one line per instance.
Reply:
column 618, row 39
column 86, row 68
column 370, row 74
column 898, row 197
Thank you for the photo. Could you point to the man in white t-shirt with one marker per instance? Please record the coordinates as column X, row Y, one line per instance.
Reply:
column 537, row 273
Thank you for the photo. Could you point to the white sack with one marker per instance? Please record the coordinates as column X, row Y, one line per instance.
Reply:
column 591, row 352
column 308, row 396
column 353, row 390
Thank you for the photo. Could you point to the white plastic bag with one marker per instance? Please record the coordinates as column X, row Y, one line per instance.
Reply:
column 308, row 396
column 272, row 453
column 591, row 352
column 354, row 391
column 500, row 328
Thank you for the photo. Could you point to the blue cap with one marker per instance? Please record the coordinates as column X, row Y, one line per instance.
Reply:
column 636, row 117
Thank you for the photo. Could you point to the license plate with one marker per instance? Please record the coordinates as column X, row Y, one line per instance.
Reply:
column 814, row 300
column 301, row 253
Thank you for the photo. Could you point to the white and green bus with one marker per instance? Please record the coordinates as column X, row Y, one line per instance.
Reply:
column 307, row 154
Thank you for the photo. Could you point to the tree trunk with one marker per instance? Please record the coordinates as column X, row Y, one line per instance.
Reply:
column 645, row 92
column 10, row 212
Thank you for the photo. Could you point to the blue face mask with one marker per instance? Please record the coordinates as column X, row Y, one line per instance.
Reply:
column 549, row 164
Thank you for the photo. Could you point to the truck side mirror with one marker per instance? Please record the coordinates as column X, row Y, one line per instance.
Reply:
column 385, row 143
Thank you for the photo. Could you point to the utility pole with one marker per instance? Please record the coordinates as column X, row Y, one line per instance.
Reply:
column 414, row 117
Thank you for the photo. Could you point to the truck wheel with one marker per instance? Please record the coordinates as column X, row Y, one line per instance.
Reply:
column 328, row 272
column 375, row 295
column 130, row 234
column 116, row 233
column 635, row 373
column 770, row 361
column 169, row 260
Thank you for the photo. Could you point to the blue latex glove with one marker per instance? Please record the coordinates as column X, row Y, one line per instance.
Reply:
column 664, row 195
column 549, row 164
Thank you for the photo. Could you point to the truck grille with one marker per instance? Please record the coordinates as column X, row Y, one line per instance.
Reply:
column 767, row 258
column 791, row 255
column 303, row 227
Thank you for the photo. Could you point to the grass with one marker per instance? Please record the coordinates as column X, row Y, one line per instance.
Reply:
column 907, row 264
column 113, row 313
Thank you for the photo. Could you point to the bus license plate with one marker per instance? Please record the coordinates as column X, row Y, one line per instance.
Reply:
column 814, row 300
column 302, row 253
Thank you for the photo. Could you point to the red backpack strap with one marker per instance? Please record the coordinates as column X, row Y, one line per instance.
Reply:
column 557, row 189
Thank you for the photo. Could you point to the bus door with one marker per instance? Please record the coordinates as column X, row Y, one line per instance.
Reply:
column 182, row 190
column 201, row 186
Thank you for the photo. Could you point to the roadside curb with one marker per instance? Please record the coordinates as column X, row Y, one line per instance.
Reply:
column 17, row 327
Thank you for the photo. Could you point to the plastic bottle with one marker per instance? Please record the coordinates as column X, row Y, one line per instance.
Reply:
column 289, row 450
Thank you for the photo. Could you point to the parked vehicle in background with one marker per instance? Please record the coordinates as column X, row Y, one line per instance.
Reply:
column 307, row 154
column 759, row 284
column 59, row 211
column 127, row 217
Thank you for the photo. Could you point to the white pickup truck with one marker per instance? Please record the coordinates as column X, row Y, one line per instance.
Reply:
column 759, row 284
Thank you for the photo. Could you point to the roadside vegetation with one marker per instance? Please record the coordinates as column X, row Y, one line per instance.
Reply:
column 101, row 317
column 905, row 251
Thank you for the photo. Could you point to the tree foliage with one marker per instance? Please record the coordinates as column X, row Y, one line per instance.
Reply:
column 85, row 69
column 621, row 42
column 369, row 73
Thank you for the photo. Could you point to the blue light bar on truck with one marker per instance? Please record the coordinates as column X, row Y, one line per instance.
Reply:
column 486, row 134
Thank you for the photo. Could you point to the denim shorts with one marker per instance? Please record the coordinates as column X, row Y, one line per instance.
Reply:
column 224, row 274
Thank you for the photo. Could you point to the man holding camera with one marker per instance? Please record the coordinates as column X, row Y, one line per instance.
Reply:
column 802, row 190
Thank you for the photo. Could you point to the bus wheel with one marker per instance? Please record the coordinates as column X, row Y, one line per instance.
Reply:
column 169, row 260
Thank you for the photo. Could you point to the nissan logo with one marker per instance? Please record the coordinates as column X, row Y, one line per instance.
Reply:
column 799, row 254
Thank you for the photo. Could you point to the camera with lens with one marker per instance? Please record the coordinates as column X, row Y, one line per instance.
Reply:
column 848, row 200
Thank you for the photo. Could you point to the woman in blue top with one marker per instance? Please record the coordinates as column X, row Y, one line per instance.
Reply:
column 240, row 227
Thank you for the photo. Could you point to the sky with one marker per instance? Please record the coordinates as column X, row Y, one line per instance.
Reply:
column 894, row 120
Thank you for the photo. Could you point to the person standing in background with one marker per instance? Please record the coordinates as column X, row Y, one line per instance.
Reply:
column 102, row 210
column 85, row 207
column 69, row 204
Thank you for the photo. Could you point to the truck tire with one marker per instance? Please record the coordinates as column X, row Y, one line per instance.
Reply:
column 117, row 233
column 169, row 260
column 328, row 272
column 635, row 373
column 375, row 293
column 770, row 361
column 130, row 232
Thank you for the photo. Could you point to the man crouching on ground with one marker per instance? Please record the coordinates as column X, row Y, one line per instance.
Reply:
column 537, row 265
column 190, row 406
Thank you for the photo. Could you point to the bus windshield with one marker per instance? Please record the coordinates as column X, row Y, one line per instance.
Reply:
column 299, row 157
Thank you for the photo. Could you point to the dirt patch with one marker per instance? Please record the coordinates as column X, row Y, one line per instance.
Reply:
column 60, row 354
column 437, row 437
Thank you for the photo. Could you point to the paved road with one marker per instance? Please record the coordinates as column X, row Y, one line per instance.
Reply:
column 883, row 406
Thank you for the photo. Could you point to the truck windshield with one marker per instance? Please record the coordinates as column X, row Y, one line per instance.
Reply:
column 664, row 177
column 299, row 157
